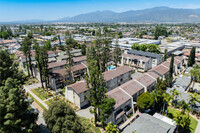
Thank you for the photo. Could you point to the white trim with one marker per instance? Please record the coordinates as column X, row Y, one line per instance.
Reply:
column 125, row 92
column 164, row 66
column 151, row 76
column 145, row 88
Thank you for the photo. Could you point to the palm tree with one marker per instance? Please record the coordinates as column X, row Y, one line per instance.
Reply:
column 182, row 120
column 193, row 99
column 184, row 106
column 167, row 98
column 195, row 72
column 175, row 94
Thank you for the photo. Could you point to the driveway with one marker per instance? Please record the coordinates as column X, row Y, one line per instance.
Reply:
column 40, row 120
column 85, row 113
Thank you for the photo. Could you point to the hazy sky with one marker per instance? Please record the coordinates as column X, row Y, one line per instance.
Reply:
column 11, row 10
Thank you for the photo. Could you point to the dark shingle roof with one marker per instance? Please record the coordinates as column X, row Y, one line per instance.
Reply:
column 142, row 53
column 149, row 124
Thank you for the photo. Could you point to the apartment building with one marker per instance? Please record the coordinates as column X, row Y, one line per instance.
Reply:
column 138, row 63
column 113, row 79
column 59, row 78
column 127, row 94
column 156, row 58
column 116, row 77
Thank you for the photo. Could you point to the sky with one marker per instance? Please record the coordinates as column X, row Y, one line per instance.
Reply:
column 13, row 10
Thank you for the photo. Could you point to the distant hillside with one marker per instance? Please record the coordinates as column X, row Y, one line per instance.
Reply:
column 157, row 14
column 151, row 15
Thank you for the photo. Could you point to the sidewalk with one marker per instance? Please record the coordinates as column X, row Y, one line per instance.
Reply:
column 198, row 127
column 28, row 90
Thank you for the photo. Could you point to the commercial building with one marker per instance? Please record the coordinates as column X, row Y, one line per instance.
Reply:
column 126, row 43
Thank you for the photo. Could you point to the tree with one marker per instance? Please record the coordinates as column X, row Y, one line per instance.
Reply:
column 44, row 64
column 117, row 54
column 61, row 118
column 165, row 55
column 4, row 35
column 71, row 42
column 171, row 71
column 145, row 101
column 159, row 94
column 193, row 99
column 59, row 39
column 9, row 31
column 15, row 111
column 70, row 63
column 95, row 81
column 183, row 121
column 30, row 35
column 26, row 48
column 195, row 72
column 175, row 94
column 120, row 35
column 83, row 49
column 143, row 47
column 153, row 48
column 9, row 69
column 38, row 58
column 111, row 128
column 48, row 44
column 184, row 106
column 106, row 109
column 191, row 59
column 160, row 31
column 136, row 46
column 105, row 54
column 48, row 33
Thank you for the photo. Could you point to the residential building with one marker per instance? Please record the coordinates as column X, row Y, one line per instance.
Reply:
column 58, row 78
column 146, row 123
column 113, row 79
column 156, row 58
column 76, row 93
column 127, row 94
column 139, row 63
column 116, row 77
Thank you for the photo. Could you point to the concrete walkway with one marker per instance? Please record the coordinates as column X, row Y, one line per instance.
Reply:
column 85, row 113
column 28, row 90
column 198, row 127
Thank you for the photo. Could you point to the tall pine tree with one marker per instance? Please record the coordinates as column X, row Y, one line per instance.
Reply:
column 171, row 70
column 15, row 111
column 191, row 59
column 117, row 54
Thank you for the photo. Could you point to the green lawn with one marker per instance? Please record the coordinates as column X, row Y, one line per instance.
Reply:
column 40, row 93
column 172, row 112
column 37, row 102
column 89, row 126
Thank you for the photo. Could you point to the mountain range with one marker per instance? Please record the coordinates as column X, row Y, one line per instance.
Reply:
column 151, row 15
